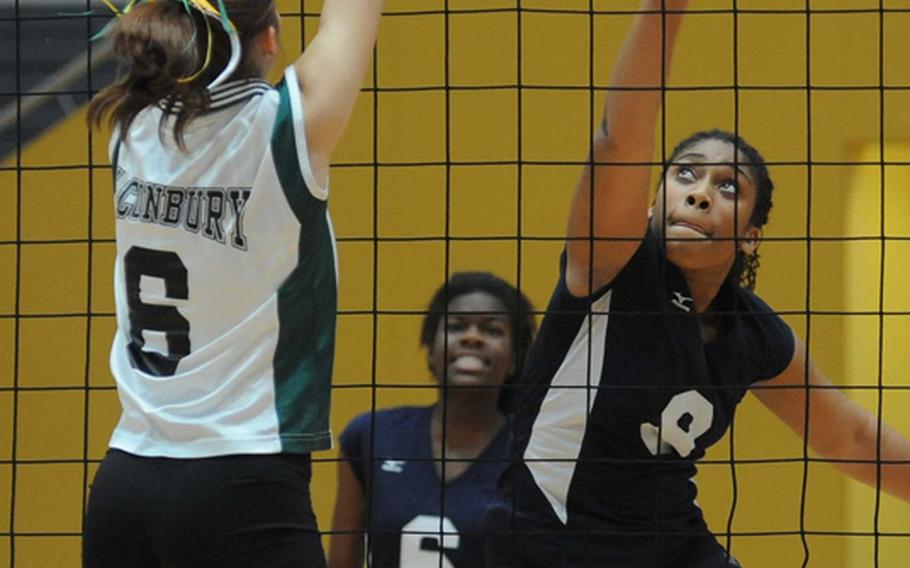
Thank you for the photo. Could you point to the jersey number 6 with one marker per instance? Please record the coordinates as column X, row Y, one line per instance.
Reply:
column 424, row 541
column 168, row 267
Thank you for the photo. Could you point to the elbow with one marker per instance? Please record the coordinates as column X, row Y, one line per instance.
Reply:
column 579, row 282
column 585, row 278
column 852, row 443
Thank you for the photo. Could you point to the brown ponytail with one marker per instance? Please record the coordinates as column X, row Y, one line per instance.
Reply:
column 160, row 44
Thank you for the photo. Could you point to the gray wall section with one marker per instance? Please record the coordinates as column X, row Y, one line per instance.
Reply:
column 42, row 41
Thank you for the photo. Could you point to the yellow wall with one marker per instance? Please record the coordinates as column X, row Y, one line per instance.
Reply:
column 416, row 195
column 870, row 336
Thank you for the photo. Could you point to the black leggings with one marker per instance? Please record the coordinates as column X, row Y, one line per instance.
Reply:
column 250, row 510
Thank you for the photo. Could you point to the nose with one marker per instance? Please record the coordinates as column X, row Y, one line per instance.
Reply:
column 471, row 335
column 699, row 199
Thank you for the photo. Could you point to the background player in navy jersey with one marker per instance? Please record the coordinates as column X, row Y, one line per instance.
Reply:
column 225, row 281
column 394, row 485
column 651, row 339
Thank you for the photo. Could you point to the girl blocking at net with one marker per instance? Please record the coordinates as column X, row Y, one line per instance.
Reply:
column 416, row 480
column 224, row 281
column 651, row 339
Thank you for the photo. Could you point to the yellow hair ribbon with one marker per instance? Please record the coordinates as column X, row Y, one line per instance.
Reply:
column 205, row 6
column 131, row 5
column 126, row 10
column 209, row 9
column 220, row 13
column 112, row 8
column 208, row 57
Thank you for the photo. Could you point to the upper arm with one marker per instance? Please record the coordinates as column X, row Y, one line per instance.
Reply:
column 617, row 198
column 834, row 421
column 346, row 548
column 331, row 72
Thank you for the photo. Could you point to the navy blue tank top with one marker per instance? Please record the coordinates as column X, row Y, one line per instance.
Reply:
column 621, row 396
column 412, row 518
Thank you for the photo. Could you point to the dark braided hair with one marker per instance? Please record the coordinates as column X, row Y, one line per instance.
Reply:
column 517, row 307
column 745, row 267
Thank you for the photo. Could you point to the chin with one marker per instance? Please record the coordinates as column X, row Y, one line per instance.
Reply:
column 468, row 381
column 685, row 253
column 696, row 255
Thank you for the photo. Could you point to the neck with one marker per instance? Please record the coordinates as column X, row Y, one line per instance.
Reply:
column 471, row 417
column 704, row 286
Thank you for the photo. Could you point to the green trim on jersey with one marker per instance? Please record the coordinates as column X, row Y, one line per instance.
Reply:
column 307, row 305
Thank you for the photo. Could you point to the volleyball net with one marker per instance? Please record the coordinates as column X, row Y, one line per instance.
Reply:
column 465, row 146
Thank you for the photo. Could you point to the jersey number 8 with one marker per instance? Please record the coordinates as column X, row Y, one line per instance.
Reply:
column 687, row 416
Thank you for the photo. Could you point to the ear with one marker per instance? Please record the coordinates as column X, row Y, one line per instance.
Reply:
column 751, row 240
column 268, row 41
column 430, row 360
column 654, row 200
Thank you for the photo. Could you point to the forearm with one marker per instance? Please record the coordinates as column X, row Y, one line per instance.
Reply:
column 839, row 429
column 346, row 545
column 346, row 550
column 864, row 463
column 618, row 194
column 630, row 112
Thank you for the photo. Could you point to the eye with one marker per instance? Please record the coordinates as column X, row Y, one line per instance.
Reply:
column 455, row 325
column 685, row 173
column 729, row 188
column 495, row 330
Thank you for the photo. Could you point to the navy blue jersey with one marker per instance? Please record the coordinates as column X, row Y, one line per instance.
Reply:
column 408, row 506
column 621, row 396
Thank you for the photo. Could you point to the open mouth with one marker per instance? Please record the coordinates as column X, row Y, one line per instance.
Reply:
column 468, row 363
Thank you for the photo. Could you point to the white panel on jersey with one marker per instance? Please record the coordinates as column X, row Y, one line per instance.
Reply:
column 559, row 428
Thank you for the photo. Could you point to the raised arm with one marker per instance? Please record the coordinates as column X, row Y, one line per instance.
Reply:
column 620, row 193
column 839, row 428
column 331, row 72
column 346, row 545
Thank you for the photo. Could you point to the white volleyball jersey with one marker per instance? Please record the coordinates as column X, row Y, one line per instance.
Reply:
column 225, row 281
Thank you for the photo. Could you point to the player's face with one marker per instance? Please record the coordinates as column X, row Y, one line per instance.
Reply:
column 473, row 346
column 705, row 201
